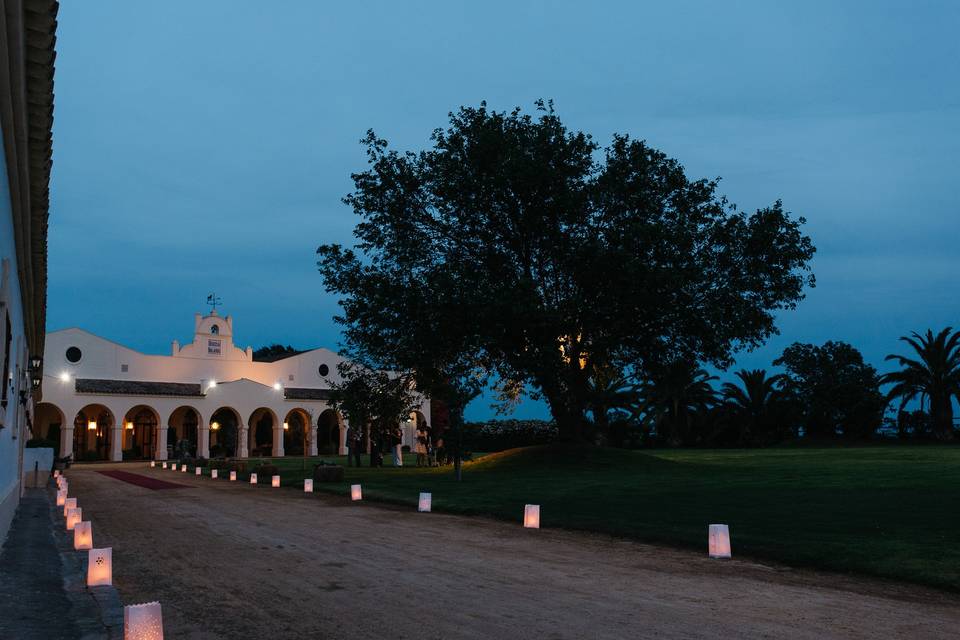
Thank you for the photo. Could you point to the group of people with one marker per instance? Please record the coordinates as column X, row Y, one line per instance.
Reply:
column 430, row 452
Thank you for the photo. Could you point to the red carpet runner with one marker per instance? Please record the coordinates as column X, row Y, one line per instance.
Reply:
column 143, row 481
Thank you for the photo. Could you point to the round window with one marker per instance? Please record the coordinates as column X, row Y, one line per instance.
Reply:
column 324, row 370
column 74, row 354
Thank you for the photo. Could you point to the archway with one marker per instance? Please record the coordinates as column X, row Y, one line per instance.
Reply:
column 261, row 425
column 182, row 428
column 328, row 433
column 295, row 432
column 48, row 423
column 140, row 432
column 92, row 430
column 224, row 426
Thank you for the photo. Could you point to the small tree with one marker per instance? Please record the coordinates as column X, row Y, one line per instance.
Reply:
column 756, row 406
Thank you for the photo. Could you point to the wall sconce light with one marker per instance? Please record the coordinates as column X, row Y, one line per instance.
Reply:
column 100, row 567
column 143, row 621
column 308, row 485
column 212, row 384
column 719, row 541
column 356, row 493
column 64, row 377
column 531, row 516
column 276, row 386
column 286, row 426
column 214, row 426
column 91, row 425
column 425, row 502
column 129, row 425
column 275, row 481
column 83, row 535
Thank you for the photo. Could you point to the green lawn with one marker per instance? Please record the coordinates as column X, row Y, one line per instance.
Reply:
column 891, row 511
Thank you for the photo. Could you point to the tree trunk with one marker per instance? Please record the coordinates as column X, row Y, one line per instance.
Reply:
column 456, row 428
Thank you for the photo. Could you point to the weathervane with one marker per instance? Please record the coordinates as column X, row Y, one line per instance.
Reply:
column 213, row 301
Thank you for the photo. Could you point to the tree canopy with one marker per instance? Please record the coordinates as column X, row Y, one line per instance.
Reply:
column 518, row 248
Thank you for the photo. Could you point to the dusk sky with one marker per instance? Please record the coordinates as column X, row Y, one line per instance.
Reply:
column 205, row 146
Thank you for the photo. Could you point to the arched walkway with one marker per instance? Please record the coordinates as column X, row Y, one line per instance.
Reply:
column 92, row 433
column 140, row 433
column 328, row 433
column 48, row 423
column 296, row 427
column 224, row 433
column 181, row 428
column 263, row 422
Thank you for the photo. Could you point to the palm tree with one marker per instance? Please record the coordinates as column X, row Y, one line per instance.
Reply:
column 672, row 398
column 933, row 375
column 753, row 404
column 609, row 390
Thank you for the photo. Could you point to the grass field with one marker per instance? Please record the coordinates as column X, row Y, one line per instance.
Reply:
column 889, row 511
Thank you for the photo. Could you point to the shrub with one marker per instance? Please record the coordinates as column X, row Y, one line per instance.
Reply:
column 265, row 472
column 327, row 473
column 497, row 435
column 201, row 462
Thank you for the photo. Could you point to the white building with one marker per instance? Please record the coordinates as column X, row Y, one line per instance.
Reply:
column 104, row 401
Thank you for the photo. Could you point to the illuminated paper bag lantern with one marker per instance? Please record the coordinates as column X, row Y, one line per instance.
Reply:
column 213, row 473
column 74, row 516
column 69, row 503
column 425, row 502
column 233, row 476
column 199, row 471
column 355, row 492
column 183, row 469
column 143, row 622
column 174, row 466
column 83, row 535
column 253, row 478
column 153, row 463
column 531, row 516
column 61, row 497
column 719, row 541
column 100, row 567
column 308, row 485
column 275, row 481
column 164, row 465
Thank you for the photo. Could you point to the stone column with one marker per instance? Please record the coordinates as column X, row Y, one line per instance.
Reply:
column 242, row 437
column 66, row 441
column 312, row 442
column 116, row 443
column 278, row 440
column 342, row 450
column 161, row 453
column 203, row 441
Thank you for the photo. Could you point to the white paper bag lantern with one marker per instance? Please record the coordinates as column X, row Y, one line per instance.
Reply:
column 253, row 478
column 531, row 516
column 213, row 473
column 275, row 481
column 100, row 567
column 164, row 465
column 719, row 541
column 233, row 476
column 425, row 502
column 355, row 492
column 153, row 463
column 69, row 503
column 74, row 516
column 198, row 471
column 143, row 621
column 83, row 535
column 61, row 497
column 308, row 485
column 174, row 466
column 183, row 468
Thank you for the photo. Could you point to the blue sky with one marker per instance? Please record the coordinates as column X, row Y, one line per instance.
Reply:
column 205, row 146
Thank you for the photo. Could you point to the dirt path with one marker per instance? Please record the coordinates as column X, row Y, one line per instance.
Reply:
column 228, row 560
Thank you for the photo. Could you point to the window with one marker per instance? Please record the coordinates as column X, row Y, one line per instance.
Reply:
column 74, row 354
column 215, row 329
column 290, row 377
column 324, row 370
column 124, row 368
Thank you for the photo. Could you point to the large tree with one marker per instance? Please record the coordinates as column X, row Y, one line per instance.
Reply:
column 541, row 256
column 933, row 374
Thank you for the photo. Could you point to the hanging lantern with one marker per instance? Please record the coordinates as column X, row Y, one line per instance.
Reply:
column 213, row 473
column 69, row 503
column 100, row 567
column 61, row 497
column 719, row 541
column 83, row 535
column 531, row 516
column 199, row 471
column 143, row 621
column 275, row 481
column 308, row 485
column 425, row 502
column 253, row 478
column 355, row 492
column 153, row 463
column 233, row 476
column 73, row 517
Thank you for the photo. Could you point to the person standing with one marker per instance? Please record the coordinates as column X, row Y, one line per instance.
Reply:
column 421, row 446
column 397, row 442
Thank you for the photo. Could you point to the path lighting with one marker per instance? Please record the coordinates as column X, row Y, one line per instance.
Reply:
column 100, row 567
column 153, row 463
column 183, row 468
column 213, row 473
column 69, row 503
column 199, row 471
column 164, row 465
column 233, row 476
column 425, row 502
column 719, row 541
column 174, row 466
column 531, row 516
column 61, row 497
column 253, row 478
column 74, row 516
column 355, row 492
column 275, row 481
column 143, row 621
column 83, row 535
column 308, row 485
column 92, row 425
